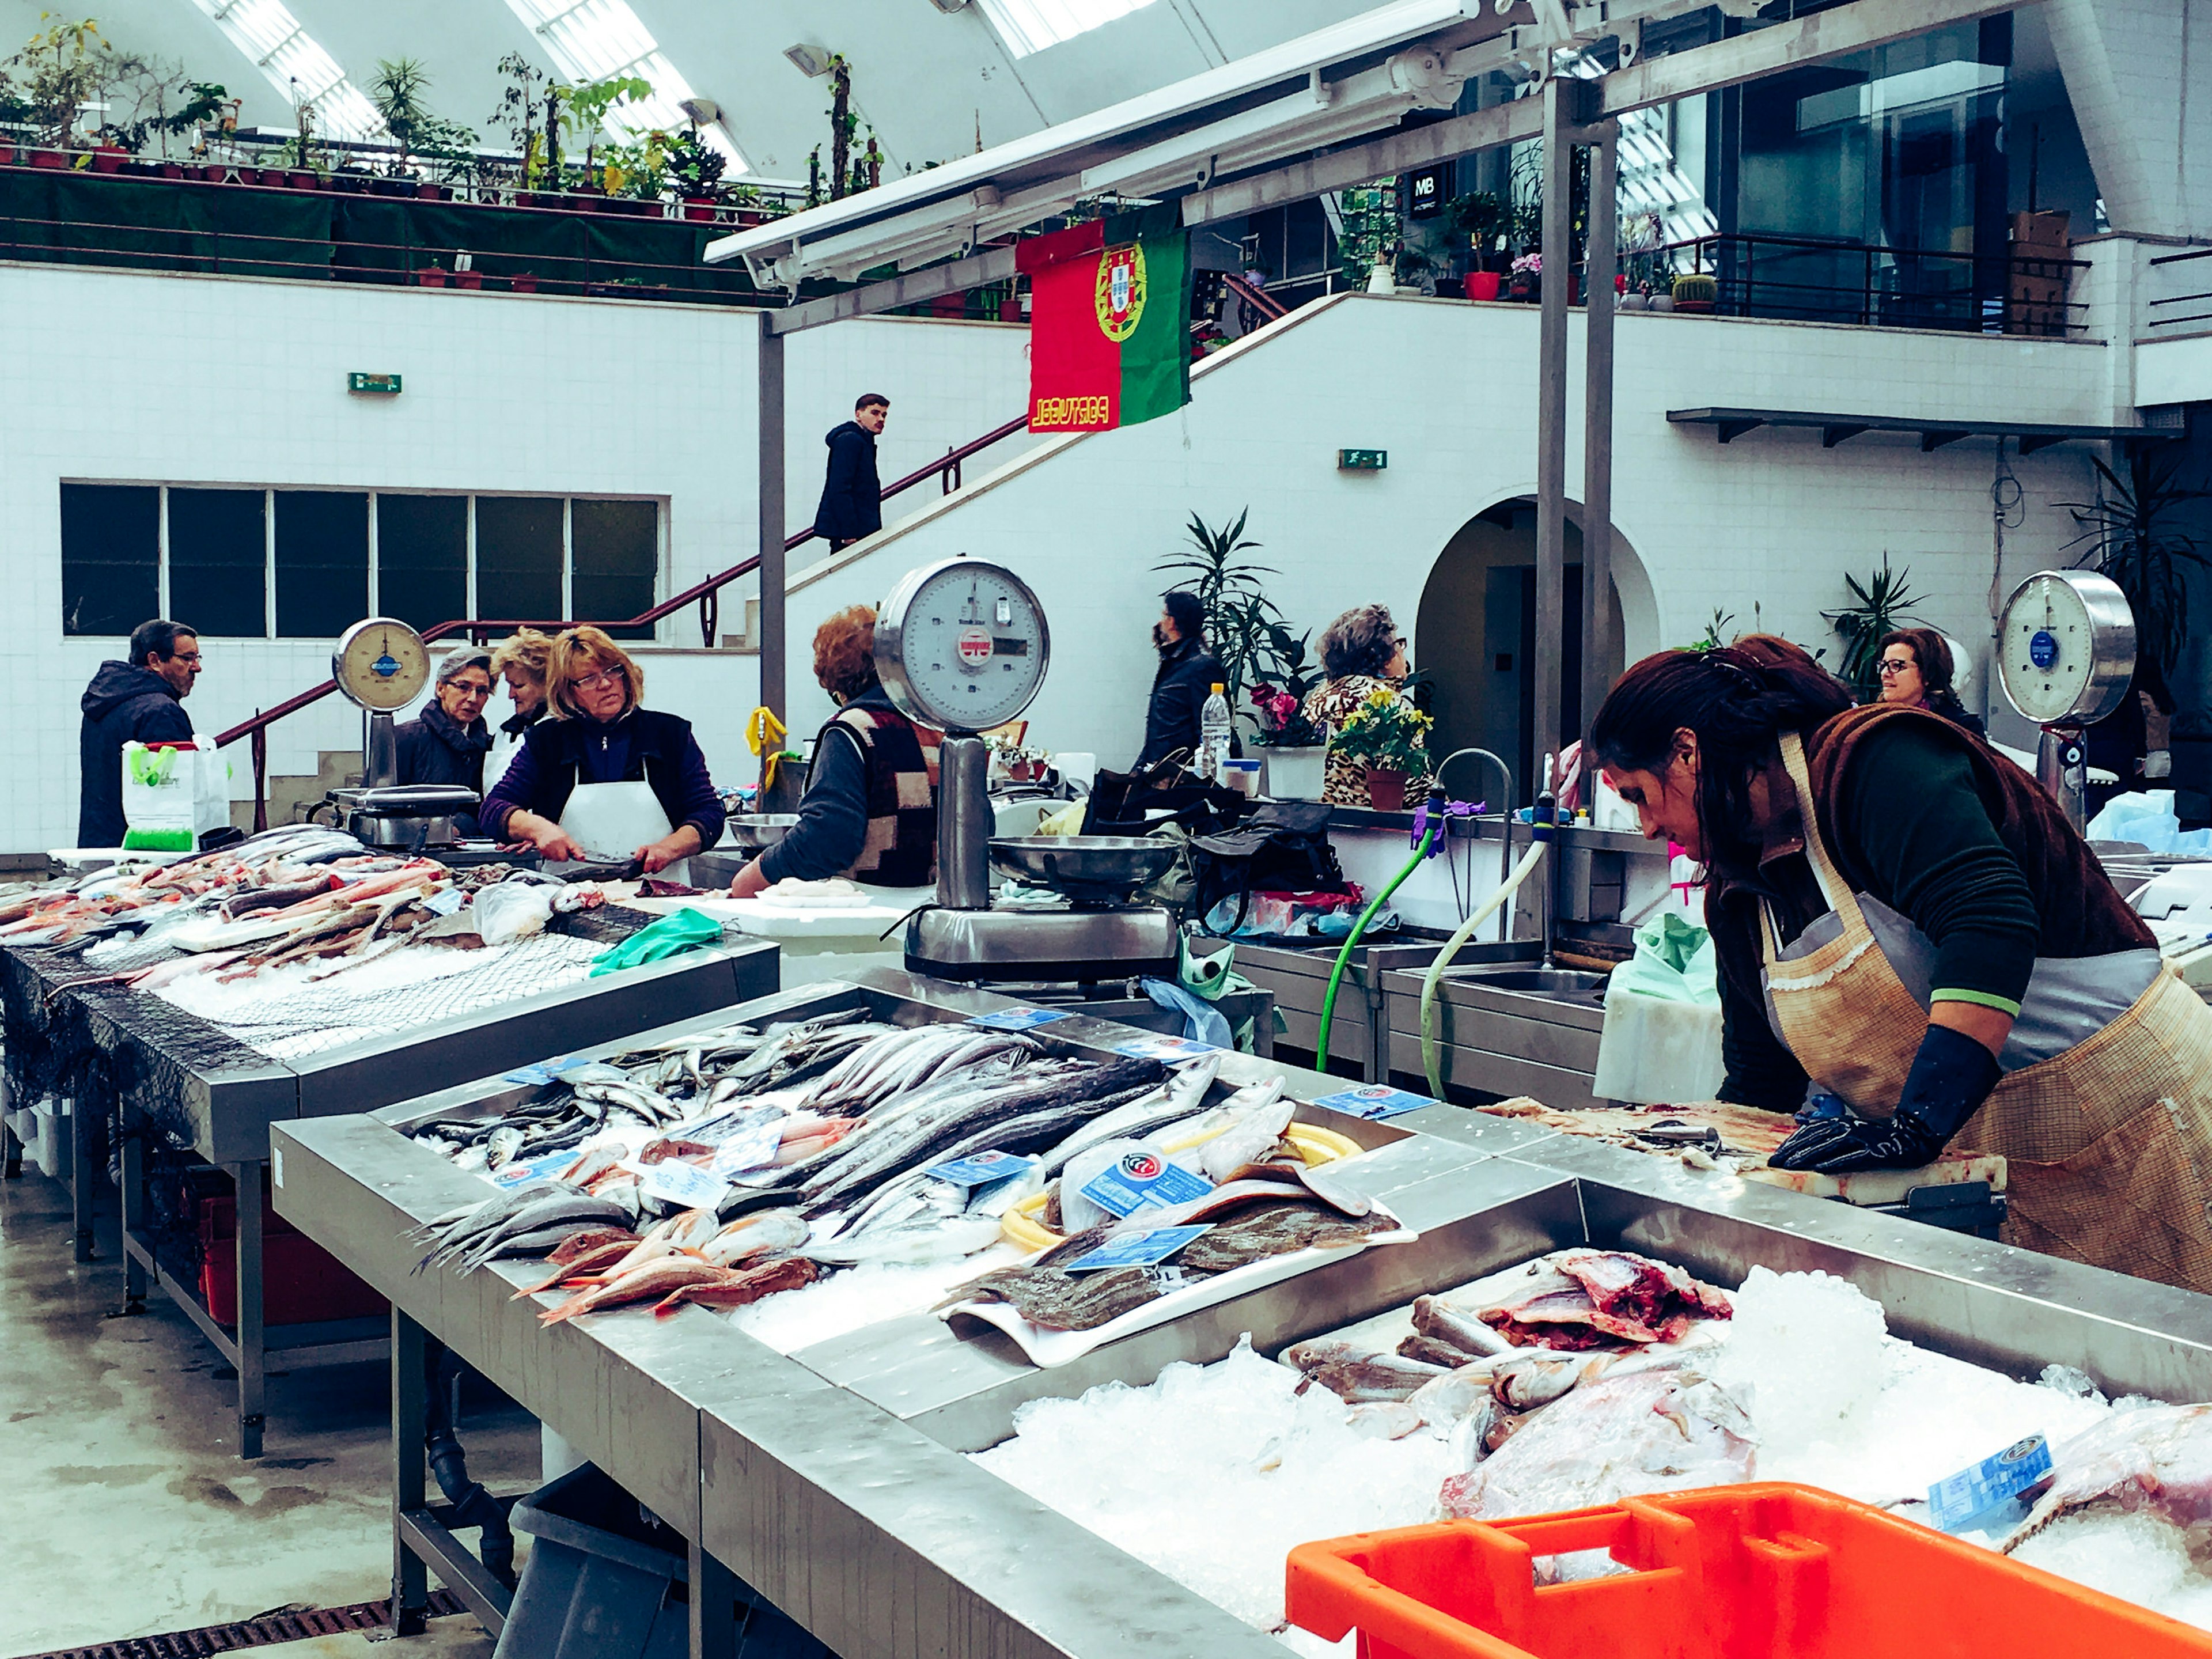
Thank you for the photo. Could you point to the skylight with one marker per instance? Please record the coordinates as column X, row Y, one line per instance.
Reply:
column 594, row 39
column 295, row 62
column 1028, row 25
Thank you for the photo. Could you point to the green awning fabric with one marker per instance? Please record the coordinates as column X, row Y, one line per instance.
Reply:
column 155, row 224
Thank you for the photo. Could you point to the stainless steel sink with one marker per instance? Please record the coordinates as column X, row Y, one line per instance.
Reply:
column 1538, row 981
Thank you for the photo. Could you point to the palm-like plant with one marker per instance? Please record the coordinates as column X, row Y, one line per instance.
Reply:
column 1878, row 606
column 2128, row 537
column 1237, row 609
column 397, row 90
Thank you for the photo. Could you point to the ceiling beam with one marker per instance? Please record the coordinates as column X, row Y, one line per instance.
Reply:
column 992, row 265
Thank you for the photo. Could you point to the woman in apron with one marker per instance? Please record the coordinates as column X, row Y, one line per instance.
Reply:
column 606, row 780
column 1932, row 945
column 870, row 810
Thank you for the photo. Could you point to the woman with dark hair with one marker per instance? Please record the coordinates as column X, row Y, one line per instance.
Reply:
column 1188, row 673
column 870, row 811
column 1905, row 919
column 1362, row 651
column 1916, row 671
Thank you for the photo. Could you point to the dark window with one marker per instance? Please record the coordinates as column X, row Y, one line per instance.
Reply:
column 422, row 558
column 111, row 558
column 219, row 562
column 322, row 563
column 518, row 557
column 616, row 548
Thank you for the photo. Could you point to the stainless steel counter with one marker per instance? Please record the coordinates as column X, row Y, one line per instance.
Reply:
column 831, row 1481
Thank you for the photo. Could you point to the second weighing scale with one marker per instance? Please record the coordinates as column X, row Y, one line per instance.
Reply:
column 381, row 666
column 2066, row 654
column 962, row 646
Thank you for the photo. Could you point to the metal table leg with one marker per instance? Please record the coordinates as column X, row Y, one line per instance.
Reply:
column 410, row 1578
column 714, row 1607
column 91, row 1100
column 11, row 1154
column 246, row 1178
column 131, row 1202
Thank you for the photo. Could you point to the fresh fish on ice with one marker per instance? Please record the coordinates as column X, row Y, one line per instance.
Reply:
column 2156, row 1458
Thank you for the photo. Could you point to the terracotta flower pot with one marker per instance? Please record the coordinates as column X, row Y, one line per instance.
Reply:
column 1386, row 789
column 523, row 282
column 54, row 161
column 1480, row 284
column 467, row 279
column 949, row 306
column 1010, row 311
column 109, row 158
column 431, row 277
column 699, row 208
column 429, row 193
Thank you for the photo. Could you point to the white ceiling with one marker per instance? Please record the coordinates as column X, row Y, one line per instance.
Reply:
column 924, row 79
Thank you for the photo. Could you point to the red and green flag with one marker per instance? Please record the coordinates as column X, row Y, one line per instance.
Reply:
column 1109, row 334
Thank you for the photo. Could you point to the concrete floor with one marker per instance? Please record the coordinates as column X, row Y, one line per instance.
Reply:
column 128, row 1514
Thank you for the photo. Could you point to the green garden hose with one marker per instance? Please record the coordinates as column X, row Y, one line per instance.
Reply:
column 1351, row 940
column 1430, row 1063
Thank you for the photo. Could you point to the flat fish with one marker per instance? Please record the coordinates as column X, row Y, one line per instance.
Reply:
column 1277, row 1229
column 1223, row 1200
column 1367, row 1376
column 1046, row 1297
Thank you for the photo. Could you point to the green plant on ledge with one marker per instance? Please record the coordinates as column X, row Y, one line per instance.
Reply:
column 1385, row 732
column 1879, row 606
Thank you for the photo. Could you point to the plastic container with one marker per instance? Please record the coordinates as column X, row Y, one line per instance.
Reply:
column 599, row 1582
column 1213, row 729
column 1767, row 1570
column 301, row 1283
column 53, row 1148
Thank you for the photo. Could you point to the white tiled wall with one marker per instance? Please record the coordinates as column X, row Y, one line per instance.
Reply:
column 114, row 375
column 2137, row 72
column 1449, row 390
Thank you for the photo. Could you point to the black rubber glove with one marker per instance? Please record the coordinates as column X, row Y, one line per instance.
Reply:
column 1952, row 1075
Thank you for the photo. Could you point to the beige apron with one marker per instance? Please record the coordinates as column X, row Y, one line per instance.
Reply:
column 2108, row 1144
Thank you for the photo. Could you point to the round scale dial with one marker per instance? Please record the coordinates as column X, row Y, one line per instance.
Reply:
column 380, row 664
column 962, row 645
column 2068, row 645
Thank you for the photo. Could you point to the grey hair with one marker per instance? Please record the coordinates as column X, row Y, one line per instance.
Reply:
column 451, row 668
column 1360, row 642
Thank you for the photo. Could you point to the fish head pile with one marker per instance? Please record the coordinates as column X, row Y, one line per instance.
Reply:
column 2155, row 1457
column 1579, row 1299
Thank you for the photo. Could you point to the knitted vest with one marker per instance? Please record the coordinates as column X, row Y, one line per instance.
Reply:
column 900, row 849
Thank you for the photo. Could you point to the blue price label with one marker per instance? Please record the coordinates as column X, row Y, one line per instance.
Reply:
column 1374, row 1101
column 1144, row 1250
column 1957, row 1499
column 1165, row 1048
column 1138, row 1179
column 981, row 1170
column 2043, row 647
column 542, row 1168
column 1016, row 1019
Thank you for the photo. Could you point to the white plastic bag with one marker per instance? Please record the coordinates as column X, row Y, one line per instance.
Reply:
column 507, row 910
column 172, row 794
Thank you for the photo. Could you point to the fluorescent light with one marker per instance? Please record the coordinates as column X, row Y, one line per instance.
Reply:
column 811, row 61
column 295, row 63
column 597, row 39
column 1028, row 25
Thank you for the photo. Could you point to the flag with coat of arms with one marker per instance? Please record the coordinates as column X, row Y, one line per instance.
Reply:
column 1109, row 308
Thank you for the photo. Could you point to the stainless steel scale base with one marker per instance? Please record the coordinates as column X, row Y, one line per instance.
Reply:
column 1007, row 943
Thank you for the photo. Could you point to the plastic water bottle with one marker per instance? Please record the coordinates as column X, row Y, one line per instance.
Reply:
column 1214, row 736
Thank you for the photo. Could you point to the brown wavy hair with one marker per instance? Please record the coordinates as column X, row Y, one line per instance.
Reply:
column 1739, row 700
column 1931, row 653
column 586, row 650
column 525, row 648
column 845, row 653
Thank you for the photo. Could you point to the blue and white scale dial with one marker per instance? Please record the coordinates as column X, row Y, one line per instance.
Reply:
column 381, row 665
column 962, row 645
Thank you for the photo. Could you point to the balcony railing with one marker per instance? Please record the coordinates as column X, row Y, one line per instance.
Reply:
column 2181, row 292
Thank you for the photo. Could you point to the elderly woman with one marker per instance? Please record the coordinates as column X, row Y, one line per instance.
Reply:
column 869, row 811
column 1362, row 651
column 605, row 778
column 521, row 660
column 445, row 743
column 1916, row 671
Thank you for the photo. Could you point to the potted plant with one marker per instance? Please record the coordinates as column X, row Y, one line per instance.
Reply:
column 523, row 282
column 1526, row 279
column 1878, row 606
column 1696, row 291
column 1387, row 732
column 431, row 275
column 1293, row 748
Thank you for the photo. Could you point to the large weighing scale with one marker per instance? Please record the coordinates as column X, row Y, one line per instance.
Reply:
column 962, row 646
column 381, row 666
column 2066, row 655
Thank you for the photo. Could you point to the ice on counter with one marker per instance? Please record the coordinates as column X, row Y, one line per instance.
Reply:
column 865, row 1295
column 1246, row 1469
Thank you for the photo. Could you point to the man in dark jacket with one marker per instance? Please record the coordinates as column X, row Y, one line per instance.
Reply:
column 852, row 499
column 1188, row 674
column 139, row 701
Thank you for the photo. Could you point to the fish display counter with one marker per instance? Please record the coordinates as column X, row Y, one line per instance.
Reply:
column 200, row 1065
column 897, row 1472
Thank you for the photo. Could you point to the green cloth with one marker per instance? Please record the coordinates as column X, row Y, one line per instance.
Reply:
column 672, row 936
column 1675, row 961
column 149, row 224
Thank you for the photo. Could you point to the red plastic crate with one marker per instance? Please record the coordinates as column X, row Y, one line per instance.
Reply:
column 301, row 1283
column 1765, row 1570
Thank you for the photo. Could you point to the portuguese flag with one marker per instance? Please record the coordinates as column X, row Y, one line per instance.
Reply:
column 1109, row 332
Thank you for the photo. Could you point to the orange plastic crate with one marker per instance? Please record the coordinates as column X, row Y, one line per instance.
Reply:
column 1768, row 1571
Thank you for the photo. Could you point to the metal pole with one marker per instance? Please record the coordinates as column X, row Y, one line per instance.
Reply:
column 1552, row 416
column 1598, row 646
column 770, row 417
column 246, row 1180
column 411, row 1579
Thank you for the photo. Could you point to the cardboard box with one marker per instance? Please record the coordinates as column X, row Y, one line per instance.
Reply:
column 2040, row 229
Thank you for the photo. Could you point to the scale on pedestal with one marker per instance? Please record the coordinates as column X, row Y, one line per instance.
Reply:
column 381, row 666
column 962, row 646
column 2066, row 652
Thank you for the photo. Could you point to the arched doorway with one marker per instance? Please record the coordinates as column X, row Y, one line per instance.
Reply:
column 1475, row 636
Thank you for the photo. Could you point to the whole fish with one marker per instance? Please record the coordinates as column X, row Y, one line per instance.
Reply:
column 1434, row 1352
column 771, row 1233
column 1362, row 1377
column 2157, row 1457
column 571, row 1209
column 590, row 1267
column 1045, row 1295
column 457, row 1232
column 1260, row 1114
column 735, row 1290
column 1177, row 1098
column 1437, row 1320
column 649, row 1283
column 1268, row 1229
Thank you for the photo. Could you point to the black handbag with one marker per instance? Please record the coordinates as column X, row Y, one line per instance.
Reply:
column 1283, row 847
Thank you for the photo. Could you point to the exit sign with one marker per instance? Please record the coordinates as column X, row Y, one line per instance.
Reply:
column 373, row 385
column 1362, row 460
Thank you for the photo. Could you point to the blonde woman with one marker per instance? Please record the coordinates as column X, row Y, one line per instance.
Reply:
column 1362, row 651
column 521, row 660
column 605, row 778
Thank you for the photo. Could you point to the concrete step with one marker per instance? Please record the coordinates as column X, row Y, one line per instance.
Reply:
column 291, row 795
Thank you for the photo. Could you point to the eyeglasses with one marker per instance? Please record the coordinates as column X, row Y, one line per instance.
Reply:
column 468, row 688
column 1889, row 665
column 597, row 682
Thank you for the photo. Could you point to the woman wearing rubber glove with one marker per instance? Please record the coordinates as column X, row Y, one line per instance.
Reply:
column 1931, row 944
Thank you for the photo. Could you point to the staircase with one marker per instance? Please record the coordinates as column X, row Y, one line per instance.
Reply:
column 289, row 796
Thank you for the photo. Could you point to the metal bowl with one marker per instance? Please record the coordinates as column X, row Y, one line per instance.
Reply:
column 759, row 830
column 1096, row 867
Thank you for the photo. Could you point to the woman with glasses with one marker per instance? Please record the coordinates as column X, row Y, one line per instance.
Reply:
column 446, row 742
column 1916, row 671
column 1904, row 920
column 606, row 780
column 1362, row 651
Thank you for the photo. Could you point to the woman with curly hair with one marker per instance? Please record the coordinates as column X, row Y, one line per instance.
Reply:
column 1362, row 651
column 521, row 659
column 871, row 810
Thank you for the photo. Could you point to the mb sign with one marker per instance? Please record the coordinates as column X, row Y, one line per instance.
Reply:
column 1424, row 193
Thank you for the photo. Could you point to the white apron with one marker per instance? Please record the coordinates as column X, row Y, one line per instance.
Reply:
column 611, row 821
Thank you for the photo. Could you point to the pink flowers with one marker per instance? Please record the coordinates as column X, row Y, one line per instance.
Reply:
column 1277, row 708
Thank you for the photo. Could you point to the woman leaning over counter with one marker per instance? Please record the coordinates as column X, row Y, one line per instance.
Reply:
column 605, row 778
column 1905, row 919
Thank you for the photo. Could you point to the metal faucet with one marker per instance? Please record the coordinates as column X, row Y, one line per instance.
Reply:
column 1505, row 857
